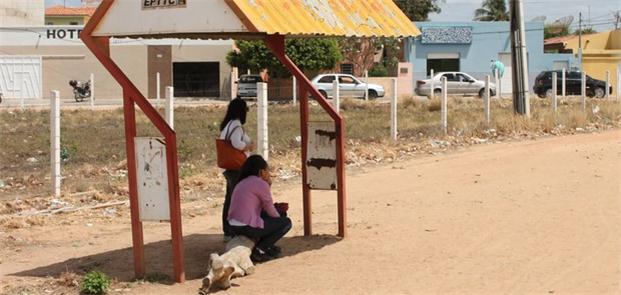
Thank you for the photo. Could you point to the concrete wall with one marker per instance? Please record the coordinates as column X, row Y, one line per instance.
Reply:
column 21, row 13
column 64, row 63
column 488, row 41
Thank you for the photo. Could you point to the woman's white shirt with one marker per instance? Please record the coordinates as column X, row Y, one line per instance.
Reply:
column 239, row 138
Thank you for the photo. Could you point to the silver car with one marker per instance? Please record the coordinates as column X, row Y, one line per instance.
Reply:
column 349, row 86
column 457, row 83
column 247, row 85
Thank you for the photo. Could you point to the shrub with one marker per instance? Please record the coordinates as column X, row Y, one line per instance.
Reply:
column 95, row 282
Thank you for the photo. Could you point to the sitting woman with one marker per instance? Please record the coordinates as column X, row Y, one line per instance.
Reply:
column 252, row 212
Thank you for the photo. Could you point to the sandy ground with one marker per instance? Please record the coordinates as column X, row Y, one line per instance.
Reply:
column 536, row 217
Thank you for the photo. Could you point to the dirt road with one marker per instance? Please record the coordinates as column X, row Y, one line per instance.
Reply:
column 536, row 217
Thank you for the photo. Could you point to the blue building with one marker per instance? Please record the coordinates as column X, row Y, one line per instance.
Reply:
column 470, row 46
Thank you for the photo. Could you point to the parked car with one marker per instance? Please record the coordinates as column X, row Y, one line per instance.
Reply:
column 457, row 83
column 247, row 85
column 573, row 84
column 349, row 86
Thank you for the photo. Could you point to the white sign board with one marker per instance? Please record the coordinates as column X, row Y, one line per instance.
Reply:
column 321, row 156
column 152, row 179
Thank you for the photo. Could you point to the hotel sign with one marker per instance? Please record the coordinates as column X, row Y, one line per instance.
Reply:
column 147, row 4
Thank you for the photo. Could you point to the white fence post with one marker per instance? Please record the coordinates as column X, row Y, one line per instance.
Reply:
column 234, row 85
column 554, row 91
column 295, row 90
column 486, row 100
column 563, row 83
column 583, row 91
column 443, row 106
column 393, row 110
column 21, row 93
column 607, row 84
column 158, row 89
column 618, row 81
column 366, row 82
column 262, row 131
column 55, row 141
column 432, row 86
column 497, row 83
column 169, row 108
column 92, row 90
column 336, row 95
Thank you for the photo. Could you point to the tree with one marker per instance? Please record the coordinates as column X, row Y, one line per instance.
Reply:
column 585, row 31
column 554, row 30
column 419, row 10
column 307, row 54
column 492, row 10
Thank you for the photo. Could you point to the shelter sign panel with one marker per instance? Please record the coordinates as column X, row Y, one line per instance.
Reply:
column 162, row 3
column 321, row 156
column 152, row 177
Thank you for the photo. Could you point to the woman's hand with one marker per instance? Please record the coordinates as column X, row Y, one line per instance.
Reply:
column 249, row 147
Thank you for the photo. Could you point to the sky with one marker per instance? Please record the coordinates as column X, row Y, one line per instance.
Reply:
column 463, row 10
column 600, row 11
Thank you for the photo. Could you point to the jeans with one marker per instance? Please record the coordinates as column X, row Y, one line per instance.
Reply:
column 231, row 180
column 273, row 229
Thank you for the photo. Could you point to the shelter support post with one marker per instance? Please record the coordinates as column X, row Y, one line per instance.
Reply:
column 306, row 193
column 100, row 47
column 129, row 115
column 276, row 43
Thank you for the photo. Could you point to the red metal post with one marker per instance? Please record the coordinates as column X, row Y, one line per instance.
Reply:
column 175, row 207
column 99, row 46
column 276, row 43
column 129, row 113
column 306, row 193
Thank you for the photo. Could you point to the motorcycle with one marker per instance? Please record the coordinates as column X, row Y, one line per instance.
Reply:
column 81, row 90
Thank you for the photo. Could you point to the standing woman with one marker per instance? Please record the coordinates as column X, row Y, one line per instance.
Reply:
column 232, row 129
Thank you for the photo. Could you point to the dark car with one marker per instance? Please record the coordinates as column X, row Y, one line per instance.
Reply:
column 573, row 80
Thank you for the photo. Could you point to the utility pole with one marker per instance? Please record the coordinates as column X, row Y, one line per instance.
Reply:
column 617, row 16
column 580, row 39
column 519, row 62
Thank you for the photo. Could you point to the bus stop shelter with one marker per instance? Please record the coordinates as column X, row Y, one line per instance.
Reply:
column 152, row 162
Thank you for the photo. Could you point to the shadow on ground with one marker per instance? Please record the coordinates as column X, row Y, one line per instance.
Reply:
column 118, row 263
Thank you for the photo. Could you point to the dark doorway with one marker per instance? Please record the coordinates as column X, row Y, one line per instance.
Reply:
column 196, row 79
column 442, row 65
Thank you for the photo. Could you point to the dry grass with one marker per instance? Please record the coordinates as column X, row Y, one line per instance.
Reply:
column 96, row 146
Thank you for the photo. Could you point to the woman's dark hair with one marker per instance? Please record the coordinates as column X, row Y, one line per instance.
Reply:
column 236, row 110
column 252, row 166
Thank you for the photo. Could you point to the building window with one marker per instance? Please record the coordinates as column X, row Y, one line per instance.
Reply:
column 73, row 23
column 442, row 65
column 347, row 69
column 49, row 23
column 442, row 62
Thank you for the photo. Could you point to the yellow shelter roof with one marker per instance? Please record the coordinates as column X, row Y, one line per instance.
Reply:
column 359, row 18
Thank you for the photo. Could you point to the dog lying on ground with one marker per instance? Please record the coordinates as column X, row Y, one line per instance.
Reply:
column 235, row 262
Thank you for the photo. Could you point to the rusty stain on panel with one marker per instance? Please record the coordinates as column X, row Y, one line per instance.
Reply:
column 320, row 163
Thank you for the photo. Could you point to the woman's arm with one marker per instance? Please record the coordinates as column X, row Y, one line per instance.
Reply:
column 267, row 203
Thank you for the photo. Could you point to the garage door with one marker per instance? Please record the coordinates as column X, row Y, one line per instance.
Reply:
column 20, row 76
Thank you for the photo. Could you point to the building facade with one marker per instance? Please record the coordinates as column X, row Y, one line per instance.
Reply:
column 601, row 52
column 471, row 46
column 37, row 60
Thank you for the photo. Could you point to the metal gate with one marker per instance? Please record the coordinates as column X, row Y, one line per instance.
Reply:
column 20, row 76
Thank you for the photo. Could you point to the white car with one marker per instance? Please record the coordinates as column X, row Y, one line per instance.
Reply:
column 349, row 86
column 457, row 83
column 247, row 85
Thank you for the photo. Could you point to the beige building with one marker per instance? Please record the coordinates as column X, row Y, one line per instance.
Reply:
column 21, row 13
column 37, row 60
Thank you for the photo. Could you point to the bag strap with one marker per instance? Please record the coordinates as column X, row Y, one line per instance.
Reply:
column 229, row 132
